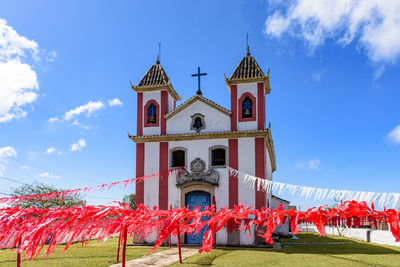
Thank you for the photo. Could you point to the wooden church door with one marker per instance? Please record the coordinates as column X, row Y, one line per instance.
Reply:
column 193, row 200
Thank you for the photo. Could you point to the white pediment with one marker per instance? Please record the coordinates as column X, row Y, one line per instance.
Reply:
column 216, row 119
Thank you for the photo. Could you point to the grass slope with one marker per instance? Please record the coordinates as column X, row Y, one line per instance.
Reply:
column 95, row 254
column 351, row 253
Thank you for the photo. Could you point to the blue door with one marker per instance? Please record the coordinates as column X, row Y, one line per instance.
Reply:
column 193, row 200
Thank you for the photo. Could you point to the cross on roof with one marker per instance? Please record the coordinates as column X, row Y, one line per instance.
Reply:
column 198, row 75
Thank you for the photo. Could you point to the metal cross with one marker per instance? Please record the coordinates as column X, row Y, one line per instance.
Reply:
column 198, row 75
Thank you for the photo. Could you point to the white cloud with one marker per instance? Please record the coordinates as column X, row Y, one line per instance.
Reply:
column 5, row 153
column 54, row 119
column 18, row 81
column 78, row 124
column 394, row 135
column 374, row 25
column 51, row 56
column 114, row 102
column 50, row 150
column 86, row 109
column 78, row 146
column 24, row 167
column 312, row 164
column 48, row 175
column 317, row 75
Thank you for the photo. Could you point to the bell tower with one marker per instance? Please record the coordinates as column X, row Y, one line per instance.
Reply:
column 248, row 86
column 156, row 97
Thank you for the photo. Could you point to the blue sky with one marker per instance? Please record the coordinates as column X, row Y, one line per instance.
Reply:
column 334, row 104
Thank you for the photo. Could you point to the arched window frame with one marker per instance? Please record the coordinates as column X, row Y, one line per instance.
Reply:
column 194, row 117
column 176, row 149
column 254, row 105
column 146, row 124
column 210, row 156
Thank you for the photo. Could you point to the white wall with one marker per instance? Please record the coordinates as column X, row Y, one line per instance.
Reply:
column 200, row 149
column 268, row 175
column 384, row 238
column 215, row 120
column 155, row 95
column 376, row 236
column 241, row 89
column 170, row 103
column 246, row 161
column 151, row 165
column 275, row 202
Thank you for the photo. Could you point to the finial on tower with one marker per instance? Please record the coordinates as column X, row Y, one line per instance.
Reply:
column 247, row 44
column 159, row 53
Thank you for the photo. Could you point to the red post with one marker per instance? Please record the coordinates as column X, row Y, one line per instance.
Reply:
column 169, row 241
column 215, row 234
column 124, row 245
column 19, row 254
column 119, row 245
column 179, row 246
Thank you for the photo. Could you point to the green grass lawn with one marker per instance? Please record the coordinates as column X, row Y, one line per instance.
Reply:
column 351, row 253
column 95, row 254
column 293, row 253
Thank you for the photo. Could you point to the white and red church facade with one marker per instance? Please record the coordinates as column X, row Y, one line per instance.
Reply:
column 204, row 138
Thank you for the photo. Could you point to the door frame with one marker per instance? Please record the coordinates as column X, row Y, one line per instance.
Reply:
column 197, row 186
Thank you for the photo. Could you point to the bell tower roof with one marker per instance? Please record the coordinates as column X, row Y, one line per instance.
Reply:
column 248, row 71
column 156, row 79
column 155, row 76
column 248, row 68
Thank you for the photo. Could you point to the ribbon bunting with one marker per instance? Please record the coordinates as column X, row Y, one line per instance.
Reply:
column 68, row 193
column 29, row 229
column 80, row 224
column 315, row 193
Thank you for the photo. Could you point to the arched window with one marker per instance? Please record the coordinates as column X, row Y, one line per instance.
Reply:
column 178, row 157
column 197, row 123
column 247, row 108
column 152, row 114
column 218, row 156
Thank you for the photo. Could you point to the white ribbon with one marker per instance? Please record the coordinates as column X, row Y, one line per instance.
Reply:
column 307, row 192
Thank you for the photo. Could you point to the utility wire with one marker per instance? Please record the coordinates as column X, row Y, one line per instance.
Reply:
column 12, row 180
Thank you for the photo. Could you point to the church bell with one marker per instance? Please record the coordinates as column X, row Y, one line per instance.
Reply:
column 247, row 113
column 152, row 119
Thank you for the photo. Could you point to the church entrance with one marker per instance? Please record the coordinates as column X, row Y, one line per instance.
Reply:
column 194, row 199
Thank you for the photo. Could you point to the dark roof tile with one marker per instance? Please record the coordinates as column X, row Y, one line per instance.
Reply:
column 155, row 76
column 247, row 68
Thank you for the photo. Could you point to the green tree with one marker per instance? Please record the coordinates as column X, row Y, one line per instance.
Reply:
column 40, row 188
column 131, row 199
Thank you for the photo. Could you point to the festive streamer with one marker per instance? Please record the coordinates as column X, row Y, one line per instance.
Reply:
column 317, row 194
column 68, row 193
column 80, row 224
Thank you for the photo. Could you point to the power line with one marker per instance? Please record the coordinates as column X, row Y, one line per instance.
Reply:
column 12, row 180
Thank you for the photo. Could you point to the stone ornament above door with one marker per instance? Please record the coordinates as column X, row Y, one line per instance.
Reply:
column 197, row 174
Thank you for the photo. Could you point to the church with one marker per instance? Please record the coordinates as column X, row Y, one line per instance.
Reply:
column 204, row 138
